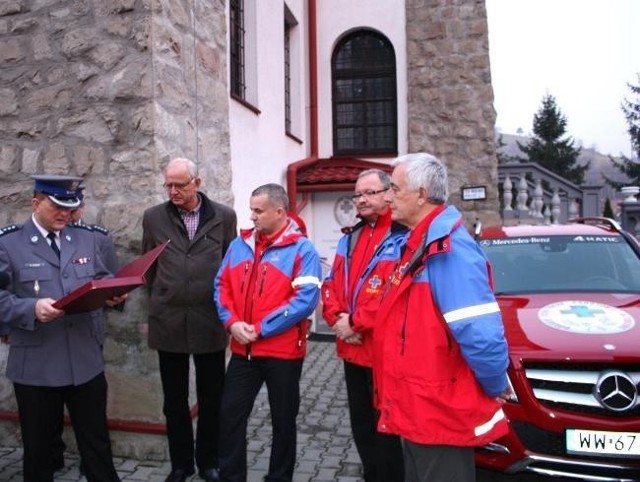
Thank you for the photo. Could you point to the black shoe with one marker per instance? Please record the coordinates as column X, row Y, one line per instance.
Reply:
column 178, row 475
column 210, row 475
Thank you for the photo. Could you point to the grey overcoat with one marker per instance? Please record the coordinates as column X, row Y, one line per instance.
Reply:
column 68, row 350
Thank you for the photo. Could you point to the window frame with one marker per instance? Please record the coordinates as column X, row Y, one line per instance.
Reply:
column 371, row 77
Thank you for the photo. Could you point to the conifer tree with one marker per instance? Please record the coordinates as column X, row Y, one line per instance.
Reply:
column 608, row 210
column 630, row 167
column 548, row 147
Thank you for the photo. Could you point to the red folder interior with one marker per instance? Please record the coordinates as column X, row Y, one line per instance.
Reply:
column 92, row 295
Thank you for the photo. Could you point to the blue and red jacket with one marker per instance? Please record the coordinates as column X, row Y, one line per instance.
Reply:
column 440, row 355
column 360, row 299
column 277, row 299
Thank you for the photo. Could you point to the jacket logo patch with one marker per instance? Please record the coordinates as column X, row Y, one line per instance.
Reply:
column 83, row 260
column 375, row 282
column 274, row 257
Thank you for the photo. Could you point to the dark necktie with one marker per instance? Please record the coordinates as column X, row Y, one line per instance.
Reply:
column 54, row 246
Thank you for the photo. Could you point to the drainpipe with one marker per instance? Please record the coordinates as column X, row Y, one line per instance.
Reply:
column 292, row 169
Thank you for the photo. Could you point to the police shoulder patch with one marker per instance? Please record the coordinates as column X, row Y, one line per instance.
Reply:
column 9, row 229
column 100, row 229
column 81, row 225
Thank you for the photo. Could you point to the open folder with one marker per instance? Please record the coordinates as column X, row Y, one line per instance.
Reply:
column 93, row 295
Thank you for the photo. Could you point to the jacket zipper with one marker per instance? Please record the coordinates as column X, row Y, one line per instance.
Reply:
column 403, row 333
column 244, row 277
column 264, row 275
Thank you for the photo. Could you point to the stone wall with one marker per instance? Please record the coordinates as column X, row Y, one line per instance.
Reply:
column 111, row 90
column 450, row 96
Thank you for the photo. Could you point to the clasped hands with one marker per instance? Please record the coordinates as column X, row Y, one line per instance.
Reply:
column 344, row 332
column 243, row 332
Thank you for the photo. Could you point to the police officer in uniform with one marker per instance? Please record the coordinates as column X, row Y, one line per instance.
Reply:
column 107, row 251
column 55, row 359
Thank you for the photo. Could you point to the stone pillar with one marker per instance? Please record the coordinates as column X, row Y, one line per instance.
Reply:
column 110, row 91
column 451, row 112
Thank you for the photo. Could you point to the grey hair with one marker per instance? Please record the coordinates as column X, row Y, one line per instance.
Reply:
column 192, row 168
column 276, row 195
column 426, row 171
column 384, row 177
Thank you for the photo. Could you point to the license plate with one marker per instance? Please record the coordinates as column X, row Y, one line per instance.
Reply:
column 597, row 442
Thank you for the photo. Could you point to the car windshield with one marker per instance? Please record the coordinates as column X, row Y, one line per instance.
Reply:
column 548, row 264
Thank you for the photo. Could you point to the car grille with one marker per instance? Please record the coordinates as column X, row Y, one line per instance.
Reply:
column 571, row 387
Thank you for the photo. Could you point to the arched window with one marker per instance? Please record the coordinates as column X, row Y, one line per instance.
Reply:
column 365, row 119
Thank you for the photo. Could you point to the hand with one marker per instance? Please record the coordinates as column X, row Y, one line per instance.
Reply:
column 355, row 339
column 45, row 312
column 342, row 328
column 243, row 332
column 505, row 396
column 116, row 300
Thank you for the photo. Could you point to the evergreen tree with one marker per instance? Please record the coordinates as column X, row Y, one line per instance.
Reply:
column 608, row 210
column 628, row 166
column 547, row 147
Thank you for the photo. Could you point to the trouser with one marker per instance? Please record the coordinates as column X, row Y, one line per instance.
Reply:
column 381, row 454
column 58, row 444
column 444, row 463
column 174, row 373
column 40, row 409
column 244, row 379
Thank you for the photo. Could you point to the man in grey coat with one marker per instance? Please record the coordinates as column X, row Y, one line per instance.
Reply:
column 183, row 321
column 55, row 359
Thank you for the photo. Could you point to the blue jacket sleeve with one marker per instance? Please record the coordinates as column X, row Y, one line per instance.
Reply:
column 461, row 289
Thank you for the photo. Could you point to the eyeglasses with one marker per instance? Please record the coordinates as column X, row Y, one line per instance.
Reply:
column 178, row 186
column 367, row 193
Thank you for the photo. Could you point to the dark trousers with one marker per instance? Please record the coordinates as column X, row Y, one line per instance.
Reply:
column 381, row 454
column 174, row 373
column 58, row 444
column 244, row 379
column 40, row 409
column 444, row 463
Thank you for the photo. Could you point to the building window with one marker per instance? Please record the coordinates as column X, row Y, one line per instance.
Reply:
column 364, row 95
column 287, row 76
column 236, row 48
column 289, row 67
column 292, row 73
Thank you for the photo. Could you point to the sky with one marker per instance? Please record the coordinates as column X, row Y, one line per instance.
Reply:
column 583, row 52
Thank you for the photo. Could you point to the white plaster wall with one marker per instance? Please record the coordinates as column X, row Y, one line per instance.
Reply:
column 337, row 18
column 260, row 148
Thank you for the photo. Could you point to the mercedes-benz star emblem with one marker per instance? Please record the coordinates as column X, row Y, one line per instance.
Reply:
column 616, row 391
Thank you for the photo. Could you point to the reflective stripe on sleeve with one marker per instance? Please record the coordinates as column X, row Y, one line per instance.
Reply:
column 306, row 280
column 471, row 311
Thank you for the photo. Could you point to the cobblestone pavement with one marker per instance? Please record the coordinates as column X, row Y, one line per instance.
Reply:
column 326, row 451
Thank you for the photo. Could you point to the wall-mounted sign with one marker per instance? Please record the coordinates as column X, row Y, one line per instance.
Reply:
column 474, row 193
